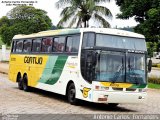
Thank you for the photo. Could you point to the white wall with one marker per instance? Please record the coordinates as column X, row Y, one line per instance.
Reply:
column 7, row 55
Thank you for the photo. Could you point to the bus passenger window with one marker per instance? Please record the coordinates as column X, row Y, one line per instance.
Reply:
column 27, row 46
column 13, row 46
column 59, row 44
column 72, row 44
column 47, row 44
column 19, row 46
column 36, row 47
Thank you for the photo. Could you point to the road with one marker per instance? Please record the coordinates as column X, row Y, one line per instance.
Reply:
column 15, row 101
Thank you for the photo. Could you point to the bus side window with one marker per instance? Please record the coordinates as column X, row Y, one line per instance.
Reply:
column 47, row 44
column 88, row 40
column 59, row 44
column 36, row 47
column 72, row 43
column 19, row 46
column 27, row 46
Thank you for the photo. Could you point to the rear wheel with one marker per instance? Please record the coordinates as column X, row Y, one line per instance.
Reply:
column 25, row 83
column 71, row 94
column 20, row 82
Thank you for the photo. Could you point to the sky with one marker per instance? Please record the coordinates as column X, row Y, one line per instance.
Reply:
column 54, row 13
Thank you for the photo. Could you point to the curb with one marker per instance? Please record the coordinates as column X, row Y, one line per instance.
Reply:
column 4, row 69
column 2, row 72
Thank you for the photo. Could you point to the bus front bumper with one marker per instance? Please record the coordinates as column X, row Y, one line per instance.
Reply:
column 119, row 97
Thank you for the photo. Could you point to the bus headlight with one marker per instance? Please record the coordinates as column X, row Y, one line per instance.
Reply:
column 142, row 90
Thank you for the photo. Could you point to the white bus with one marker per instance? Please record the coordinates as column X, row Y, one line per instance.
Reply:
column 98, row 65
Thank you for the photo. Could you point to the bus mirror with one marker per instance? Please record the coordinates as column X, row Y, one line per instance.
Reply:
column 149, row 65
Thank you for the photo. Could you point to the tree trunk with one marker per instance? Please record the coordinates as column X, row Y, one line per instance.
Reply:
column 85, row 24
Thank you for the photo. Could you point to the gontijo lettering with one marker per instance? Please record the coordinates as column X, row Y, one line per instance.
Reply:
column 33, row 60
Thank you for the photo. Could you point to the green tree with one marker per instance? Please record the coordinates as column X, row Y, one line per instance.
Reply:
column 4, row 21
column 23, row 20
column 151, row 47
column 81, row 11
column 146, row 12
column 6, row 34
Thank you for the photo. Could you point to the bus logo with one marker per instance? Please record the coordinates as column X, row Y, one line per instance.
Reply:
column 85, row 92
column 33, row 60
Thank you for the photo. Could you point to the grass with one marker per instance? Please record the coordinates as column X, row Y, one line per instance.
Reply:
column 153, row 86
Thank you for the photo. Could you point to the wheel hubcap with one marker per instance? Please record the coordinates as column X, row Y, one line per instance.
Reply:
column 72, row 94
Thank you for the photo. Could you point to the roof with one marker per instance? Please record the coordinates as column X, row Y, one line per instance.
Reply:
column 78, row 30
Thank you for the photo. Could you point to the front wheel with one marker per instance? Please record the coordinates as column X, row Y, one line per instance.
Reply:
column 71, row 94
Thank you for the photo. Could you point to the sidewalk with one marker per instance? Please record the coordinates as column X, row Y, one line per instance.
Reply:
column 4, row 67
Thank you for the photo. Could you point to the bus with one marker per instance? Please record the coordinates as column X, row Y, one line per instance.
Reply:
column 99, row 65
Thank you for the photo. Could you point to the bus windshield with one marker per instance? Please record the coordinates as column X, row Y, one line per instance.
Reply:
column 121, row 67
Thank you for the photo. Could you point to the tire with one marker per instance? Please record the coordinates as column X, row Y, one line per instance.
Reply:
column 71, row 94
column 25, row 83
column 113, row 105
column 20, row 83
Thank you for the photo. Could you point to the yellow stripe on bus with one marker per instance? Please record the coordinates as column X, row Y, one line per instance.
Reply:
column 118, row 85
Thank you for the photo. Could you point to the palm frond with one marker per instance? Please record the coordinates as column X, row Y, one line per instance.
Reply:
column 103, row 10
column 101, row 1
column 101, row 20
column 65, row 18
column 62, row 3
column 79, row 22
column 65, row 11
column 73, row 21
column 76, row 3
column 90, row 5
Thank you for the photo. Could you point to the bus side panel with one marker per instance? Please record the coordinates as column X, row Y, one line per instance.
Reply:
column 15, row 66
column 32, row 65
column 64, row 69
column 51, row 78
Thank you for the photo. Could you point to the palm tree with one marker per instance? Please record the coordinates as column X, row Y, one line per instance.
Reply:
column 81, row 11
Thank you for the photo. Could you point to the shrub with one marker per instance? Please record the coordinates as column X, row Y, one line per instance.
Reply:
column 154, row 79
column 154, row 65
column 158, row 65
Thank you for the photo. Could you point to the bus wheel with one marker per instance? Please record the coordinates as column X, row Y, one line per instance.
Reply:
column 113, row 105
column 71, row 94
column 25, row 83
column 20, row 83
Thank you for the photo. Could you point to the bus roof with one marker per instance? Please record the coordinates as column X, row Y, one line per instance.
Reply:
column 78, row 30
